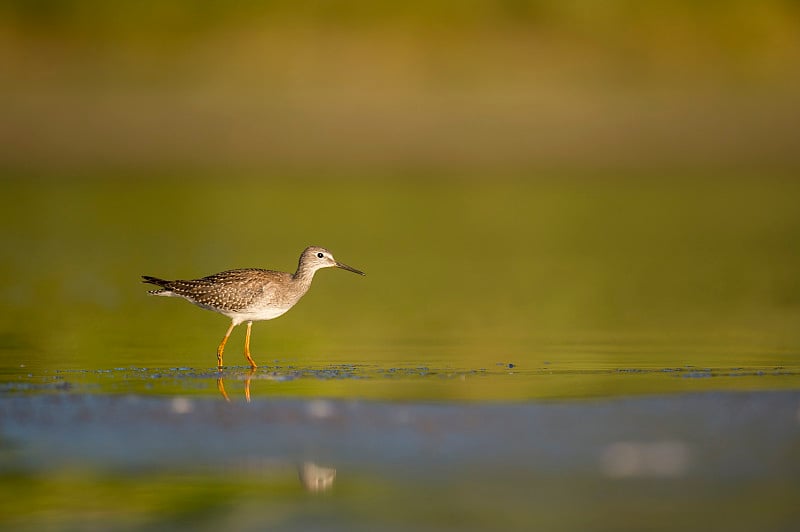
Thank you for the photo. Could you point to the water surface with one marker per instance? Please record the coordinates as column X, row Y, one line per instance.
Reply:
column 533, row 351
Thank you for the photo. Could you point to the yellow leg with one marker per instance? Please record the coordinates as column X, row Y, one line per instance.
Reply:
column 247, row 384
column 221, row 388
column 247, row 346
column 221, row 347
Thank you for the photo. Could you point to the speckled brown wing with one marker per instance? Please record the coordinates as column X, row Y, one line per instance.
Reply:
column 230, row 291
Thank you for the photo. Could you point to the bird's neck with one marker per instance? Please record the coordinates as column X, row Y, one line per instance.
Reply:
column 304, row 275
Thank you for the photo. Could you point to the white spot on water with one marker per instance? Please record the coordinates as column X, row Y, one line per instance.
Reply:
column 181, row 405
column 320, row 409
column 642, row 459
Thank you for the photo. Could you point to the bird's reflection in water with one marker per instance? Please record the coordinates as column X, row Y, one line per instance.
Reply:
column 221, row 385
column 316, row 478
column 313, row 477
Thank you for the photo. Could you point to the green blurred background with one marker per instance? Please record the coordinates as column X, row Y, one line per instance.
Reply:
column 571, row 185
column 472, row 86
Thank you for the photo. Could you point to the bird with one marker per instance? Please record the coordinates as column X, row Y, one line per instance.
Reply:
column 246, row 295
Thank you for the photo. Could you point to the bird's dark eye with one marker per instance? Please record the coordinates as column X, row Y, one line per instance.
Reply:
column 320, row 255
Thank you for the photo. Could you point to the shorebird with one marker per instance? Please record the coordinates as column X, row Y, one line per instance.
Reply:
column 250, row 294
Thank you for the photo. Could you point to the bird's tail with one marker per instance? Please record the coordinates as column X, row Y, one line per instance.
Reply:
column 164, row 290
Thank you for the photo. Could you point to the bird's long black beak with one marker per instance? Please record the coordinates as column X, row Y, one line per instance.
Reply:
column 349, row 268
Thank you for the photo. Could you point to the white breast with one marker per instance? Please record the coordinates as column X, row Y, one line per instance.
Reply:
column 256, row 314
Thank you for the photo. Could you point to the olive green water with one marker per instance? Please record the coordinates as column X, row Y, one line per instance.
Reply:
column 574, row 281
column 478, row 292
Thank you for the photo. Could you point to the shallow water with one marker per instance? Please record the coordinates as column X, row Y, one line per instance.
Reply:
column 558, row 352
column 655, row 272
column 502, row 382
column 692, row 461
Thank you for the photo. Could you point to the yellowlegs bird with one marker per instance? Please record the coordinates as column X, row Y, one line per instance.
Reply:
column 250, row 294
